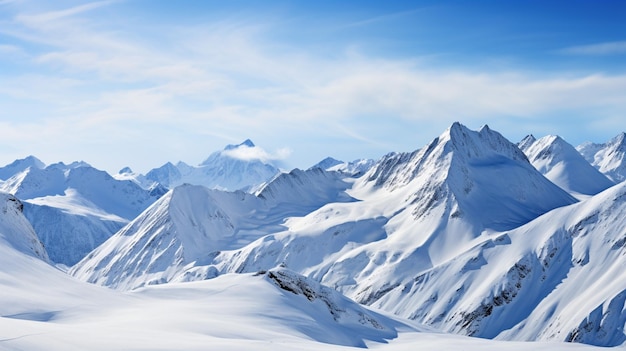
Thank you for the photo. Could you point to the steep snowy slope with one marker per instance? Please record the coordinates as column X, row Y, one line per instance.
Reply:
column 564, row 166
column 75, row 207
column 560, row 277
column 189, row 224
column 609, row 158
column 237, row 167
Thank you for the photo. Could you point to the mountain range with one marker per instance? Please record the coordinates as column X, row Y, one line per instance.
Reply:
column 470, row 234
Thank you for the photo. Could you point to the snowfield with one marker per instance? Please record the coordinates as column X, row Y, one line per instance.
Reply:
column 471, row 242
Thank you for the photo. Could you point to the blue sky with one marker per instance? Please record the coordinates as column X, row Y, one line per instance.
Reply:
column 143, row 82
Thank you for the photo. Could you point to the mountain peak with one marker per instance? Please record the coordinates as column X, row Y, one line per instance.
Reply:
column 527, row 142
column 327, row 163
column 20, row 165
column 246, row 143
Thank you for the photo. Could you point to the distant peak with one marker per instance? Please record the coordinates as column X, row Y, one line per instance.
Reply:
column 485, row 127
column 246, row 143
column 125, row 170
column 30, row 161
column 327, row 163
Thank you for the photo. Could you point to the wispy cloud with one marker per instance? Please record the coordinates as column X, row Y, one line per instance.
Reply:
column 247, row 153
column 50, row 16
column 600, row 49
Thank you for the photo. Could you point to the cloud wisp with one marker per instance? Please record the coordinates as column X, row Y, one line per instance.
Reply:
column 599, row 49
column 256, row 153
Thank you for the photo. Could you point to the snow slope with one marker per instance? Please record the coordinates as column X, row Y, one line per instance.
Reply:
column 564, row 166
column 609, row 158
column 237, row 167
column 41, row 308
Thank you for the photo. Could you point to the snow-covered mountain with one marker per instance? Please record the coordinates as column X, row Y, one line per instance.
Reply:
column 559, row 277
column 609, row 158
column 564, row 166
column 237, row 167
column 74, row 208
column 191, row 224
column 416, row 211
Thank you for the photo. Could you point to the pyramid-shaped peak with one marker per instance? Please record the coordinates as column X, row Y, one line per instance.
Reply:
column 327, row 163
column 245, row 143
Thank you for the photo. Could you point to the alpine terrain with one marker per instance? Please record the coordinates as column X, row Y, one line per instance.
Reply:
column 469, row 242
